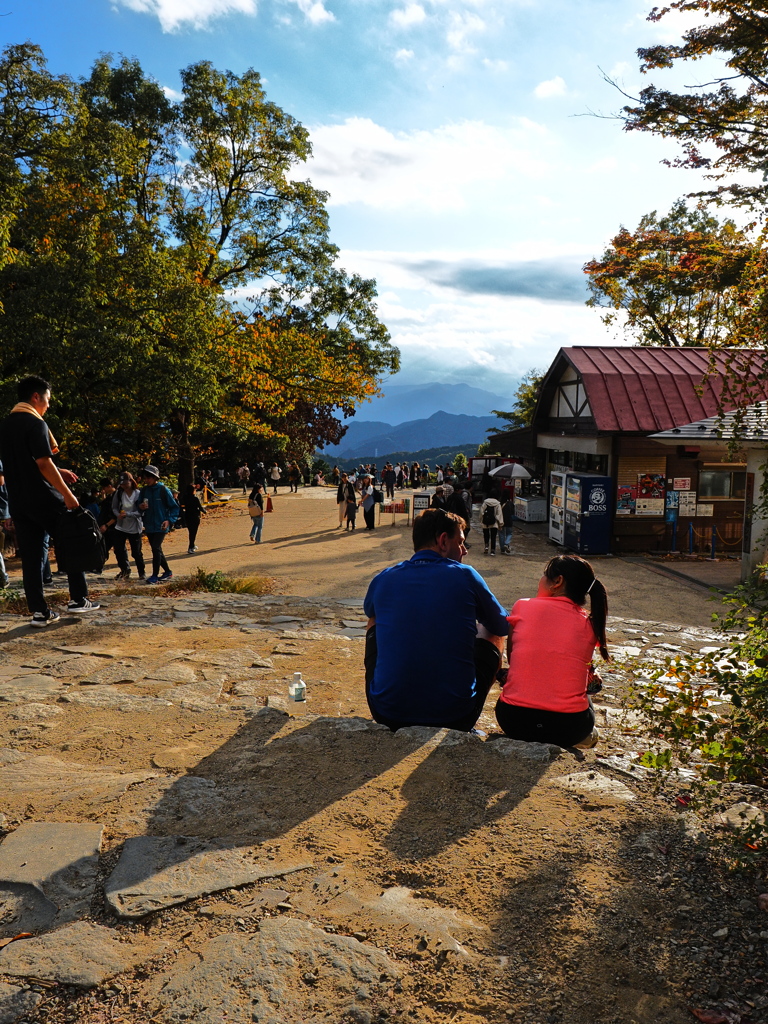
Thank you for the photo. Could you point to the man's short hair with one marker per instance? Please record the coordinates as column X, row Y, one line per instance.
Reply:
column 428, row 526
column 31, row 386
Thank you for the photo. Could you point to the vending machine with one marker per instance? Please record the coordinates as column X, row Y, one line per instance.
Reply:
column 587, row 526
column 556, row 507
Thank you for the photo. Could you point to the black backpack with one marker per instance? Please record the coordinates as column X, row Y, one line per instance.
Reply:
column 377, row 495
column 79, row 542
column 489, row 516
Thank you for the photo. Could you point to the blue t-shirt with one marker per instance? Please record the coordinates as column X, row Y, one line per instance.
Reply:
column 428, row 603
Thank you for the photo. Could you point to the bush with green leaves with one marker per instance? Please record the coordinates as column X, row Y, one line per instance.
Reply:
column 710, row 711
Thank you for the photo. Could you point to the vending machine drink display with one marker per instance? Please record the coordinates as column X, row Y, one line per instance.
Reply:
column 587, row 514
column 556, row 507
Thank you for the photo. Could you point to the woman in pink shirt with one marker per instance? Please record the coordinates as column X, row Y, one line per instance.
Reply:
column 550, row 647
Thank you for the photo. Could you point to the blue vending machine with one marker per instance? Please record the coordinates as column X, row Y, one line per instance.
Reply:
column 588, row 513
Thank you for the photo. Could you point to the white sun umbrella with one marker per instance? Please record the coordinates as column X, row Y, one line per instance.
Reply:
column 512, row 470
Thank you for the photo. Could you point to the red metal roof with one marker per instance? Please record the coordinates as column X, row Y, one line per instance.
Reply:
column 651, row 389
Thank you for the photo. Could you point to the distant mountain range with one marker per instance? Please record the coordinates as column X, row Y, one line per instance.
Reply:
column 375, row 439
column 405, row 402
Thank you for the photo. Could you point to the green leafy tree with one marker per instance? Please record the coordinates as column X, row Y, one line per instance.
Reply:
column 121, row 263
column 460, row 464
column 722, row 125
column 526, row 397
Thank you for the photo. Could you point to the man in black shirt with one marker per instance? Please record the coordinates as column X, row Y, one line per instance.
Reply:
column 37, row 493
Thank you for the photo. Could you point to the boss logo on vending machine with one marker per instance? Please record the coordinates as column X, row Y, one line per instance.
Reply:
column 597, row 499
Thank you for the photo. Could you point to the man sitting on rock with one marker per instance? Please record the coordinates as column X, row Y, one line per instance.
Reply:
column 432, row 602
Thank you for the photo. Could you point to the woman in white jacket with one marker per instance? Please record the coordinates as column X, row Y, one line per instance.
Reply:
column 492, row 520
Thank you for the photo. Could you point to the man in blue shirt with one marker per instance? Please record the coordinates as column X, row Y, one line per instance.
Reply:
column 434, row 599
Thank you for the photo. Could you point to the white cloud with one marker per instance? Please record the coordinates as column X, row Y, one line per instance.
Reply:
column 360, row 161
column 446, row 335
column 462, row 25
column 406, row 17
column 552, row 87
column 198, row 13
column 315, row 12
column 495, row 65
column 403, row 56
column 172, row 14
column 172, row 94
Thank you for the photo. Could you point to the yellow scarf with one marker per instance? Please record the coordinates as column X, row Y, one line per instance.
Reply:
column 26, row 407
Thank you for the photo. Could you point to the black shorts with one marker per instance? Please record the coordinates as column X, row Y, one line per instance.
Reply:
column 534, row 725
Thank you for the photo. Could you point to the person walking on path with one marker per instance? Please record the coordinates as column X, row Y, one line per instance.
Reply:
column 294, row 475
column 193, row 510
column 342, row 491
column 508, row 515
column 274, row 476
column 160, row 510
column 244, row 475
column 4, row 517
column 106, row 518
column 128, row 526
column 38, row 493
column 368, row 503
column 256, row 512
column 492, row 520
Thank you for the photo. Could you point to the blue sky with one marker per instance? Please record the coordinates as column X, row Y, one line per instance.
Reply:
column 454, row 137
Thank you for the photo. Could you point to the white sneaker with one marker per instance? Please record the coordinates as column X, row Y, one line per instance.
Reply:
column 83, row 606
column 41, row 619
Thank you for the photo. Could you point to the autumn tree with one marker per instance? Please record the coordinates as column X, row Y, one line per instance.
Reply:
column 676, row 280
column 161, row 293
column 526, row 397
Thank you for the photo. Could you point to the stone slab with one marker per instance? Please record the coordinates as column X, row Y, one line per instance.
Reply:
column 543, row 752
column 15, row 1002
column 596, row 790
column 32, row 687
column 115, row 700
column 52, row 781
column 35, row 712
column 154, row 872
column 281, row 974
column 80, row 954
column 48, row 874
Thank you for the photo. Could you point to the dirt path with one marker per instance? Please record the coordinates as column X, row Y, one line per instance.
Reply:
column 213, row 852
column 308, row 556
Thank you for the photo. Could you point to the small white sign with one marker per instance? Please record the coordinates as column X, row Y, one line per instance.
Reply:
column 705, row 510
column 681, row 483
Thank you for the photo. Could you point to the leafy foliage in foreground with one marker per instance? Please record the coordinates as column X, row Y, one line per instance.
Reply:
column 711, row 711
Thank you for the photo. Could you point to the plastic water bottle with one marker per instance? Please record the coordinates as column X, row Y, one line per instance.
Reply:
column 298, row 688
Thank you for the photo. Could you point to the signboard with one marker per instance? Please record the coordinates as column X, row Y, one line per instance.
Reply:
column 705, row 510
column 625, row 501
column 649, row 507
column 681, row 483
column 687, row 503
column 421, row 502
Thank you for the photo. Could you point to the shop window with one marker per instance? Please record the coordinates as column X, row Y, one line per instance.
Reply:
column 584, row 463
column 722, row 483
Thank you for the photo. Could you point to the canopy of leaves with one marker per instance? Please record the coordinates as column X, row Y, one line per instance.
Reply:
column 722, row 125
column 526, row 397
column 678, row 279
column 159, row 264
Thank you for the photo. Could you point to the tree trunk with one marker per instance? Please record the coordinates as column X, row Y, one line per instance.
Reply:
column 180, row 420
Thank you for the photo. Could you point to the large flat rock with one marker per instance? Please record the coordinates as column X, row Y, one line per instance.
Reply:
column 80, row 954
column 280, row 975
column 154, row 872
column 595, row 790
column 15, row 1002
column 53, row 782
column 30, row 687
column 47, row 874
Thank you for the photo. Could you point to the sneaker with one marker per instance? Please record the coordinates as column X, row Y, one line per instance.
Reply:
column 152, row 579
column 493, row 554
column 589, row 741
column 122, row 575
column 142, row 577
column 192, row 550
column 485, row 551
column 167, row 575
column 83, row 606
column 40, row 619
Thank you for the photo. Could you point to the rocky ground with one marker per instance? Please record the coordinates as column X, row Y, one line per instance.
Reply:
column 182, row 842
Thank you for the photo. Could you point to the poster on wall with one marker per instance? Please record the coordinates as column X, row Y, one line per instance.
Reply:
column 649, row 507
column 705, row 510
column 625, row 501
column 681, row 483
column 687, row 503
column 672, row 499
column 651, row 485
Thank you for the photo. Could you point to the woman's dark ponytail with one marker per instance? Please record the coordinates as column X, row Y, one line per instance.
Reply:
column 580, row 580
